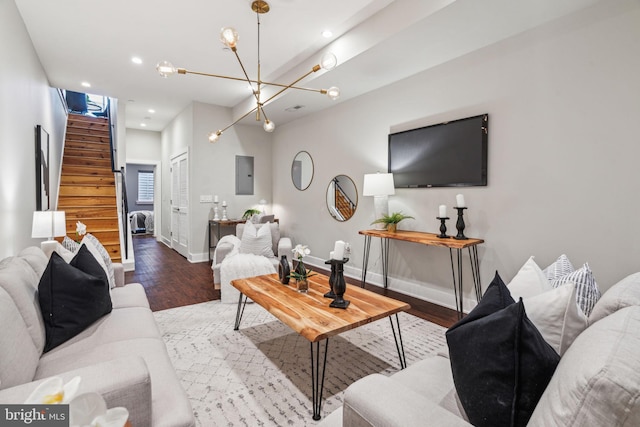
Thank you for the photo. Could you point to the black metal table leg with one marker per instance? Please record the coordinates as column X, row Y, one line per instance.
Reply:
column 365, row 260
column 457, row 285
column 475, row 271
column 240, row 311
column 384, row 246
column 398, row 340
column 317, row 376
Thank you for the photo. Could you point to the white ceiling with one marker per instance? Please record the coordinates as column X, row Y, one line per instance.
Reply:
column 377, row 42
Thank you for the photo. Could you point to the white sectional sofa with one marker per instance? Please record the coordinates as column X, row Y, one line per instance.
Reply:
column 596, row 383
column 121, row 356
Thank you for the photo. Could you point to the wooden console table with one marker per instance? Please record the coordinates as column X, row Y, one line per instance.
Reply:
column 429, row 239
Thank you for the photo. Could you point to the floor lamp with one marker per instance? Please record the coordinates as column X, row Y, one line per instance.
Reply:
column 380, row 186
column 48, row 224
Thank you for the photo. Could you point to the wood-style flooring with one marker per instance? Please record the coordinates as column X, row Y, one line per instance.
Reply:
column 171, row 281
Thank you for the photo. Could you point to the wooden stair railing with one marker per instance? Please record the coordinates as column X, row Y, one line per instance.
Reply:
column 87, row 184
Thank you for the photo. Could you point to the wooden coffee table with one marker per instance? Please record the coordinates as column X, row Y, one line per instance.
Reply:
column 309, row 315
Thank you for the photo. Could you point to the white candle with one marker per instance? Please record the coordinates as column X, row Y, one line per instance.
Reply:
column 331, row 255
column 338, row 250
column 215, row 198
column 443, row 211
column 224, row 203
column 460, row 201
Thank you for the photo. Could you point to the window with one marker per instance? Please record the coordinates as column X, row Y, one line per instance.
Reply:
column 145, row 187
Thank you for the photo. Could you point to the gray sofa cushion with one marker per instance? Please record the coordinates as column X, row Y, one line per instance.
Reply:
column 18, row 355
column 597, row 382
column 625, row 293
column 21, row 283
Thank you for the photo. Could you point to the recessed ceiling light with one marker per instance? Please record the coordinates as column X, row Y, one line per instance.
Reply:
column 136, row 60
column 294, row 108
column 144, row 125
column 326, row 34
column 151, row 110
column 86, row 84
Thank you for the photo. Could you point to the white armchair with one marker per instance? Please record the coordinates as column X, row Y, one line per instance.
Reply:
column 230, row 245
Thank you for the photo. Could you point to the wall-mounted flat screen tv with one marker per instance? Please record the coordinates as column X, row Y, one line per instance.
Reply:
column 451, row 154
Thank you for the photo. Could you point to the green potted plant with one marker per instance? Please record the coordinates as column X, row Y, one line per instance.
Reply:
column 391, row 221
column 249, row 213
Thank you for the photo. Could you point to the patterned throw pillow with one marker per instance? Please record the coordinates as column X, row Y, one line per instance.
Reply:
column 587, row 292
column 96, row 248
column 561, row 267
column 70, row 245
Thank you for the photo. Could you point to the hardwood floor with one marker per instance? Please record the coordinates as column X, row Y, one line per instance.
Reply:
column 172, row 281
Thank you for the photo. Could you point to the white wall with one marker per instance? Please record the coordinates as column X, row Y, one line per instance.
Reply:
column 26, row 101
column 563, row 102
column 143, row 145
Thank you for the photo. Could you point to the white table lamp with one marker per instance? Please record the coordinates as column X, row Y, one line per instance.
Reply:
column 380, row 186
column 48, row 224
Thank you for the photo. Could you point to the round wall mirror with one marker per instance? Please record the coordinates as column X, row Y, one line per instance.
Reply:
column 302, row 170
column 342, row 198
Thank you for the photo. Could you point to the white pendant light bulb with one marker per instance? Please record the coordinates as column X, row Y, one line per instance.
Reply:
column 333, row 93
column 328, row 61
column 214, row 136
column 165, row 69
column 269, row 126
column 229, row 37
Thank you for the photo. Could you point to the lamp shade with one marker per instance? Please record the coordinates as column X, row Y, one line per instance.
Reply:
column 48, row 224
column 378, row 184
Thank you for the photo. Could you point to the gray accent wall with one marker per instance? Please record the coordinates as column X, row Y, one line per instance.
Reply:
column 563, row 102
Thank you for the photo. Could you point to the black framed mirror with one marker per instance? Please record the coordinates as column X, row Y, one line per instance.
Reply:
column 302, row 170
column 342, row 198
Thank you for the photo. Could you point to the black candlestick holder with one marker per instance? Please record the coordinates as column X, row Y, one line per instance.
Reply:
column 339, row 285
column 460, row 225
column 332, row 278
column 443, row 227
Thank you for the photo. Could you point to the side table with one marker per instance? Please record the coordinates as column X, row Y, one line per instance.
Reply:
column 429, row 239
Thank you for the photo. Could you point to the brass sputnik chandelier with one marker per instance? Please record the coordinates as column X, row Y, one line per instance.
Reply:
column 229, row 38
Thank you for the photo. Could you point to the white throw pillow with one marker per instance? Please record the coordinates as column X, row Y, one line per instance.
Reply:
column 557, row 316
column 256, row 240
column 529, row 281
column 587, row 292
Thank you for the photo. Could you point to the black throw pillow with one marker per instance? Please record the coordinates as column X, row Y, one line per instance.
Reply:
column 72, row 296
column 500, row 363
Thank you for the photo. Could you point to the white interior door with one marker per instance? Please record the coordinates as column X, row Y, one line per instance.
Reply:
column 180, row 204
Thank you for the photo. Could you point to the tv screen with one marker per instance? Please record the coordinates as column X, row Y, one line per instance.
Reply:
column 451, row 154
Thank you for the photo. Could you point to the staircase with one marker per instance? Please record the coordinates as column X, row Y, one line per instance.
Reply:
column 87, row 184
column 343, row 204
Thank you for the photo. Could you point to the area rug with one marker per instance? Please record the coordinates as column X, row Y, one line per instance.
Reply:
column 261, row 374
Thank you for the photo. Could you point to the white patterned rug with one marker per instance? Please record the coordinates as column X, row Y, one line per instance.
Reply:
column 261, row 374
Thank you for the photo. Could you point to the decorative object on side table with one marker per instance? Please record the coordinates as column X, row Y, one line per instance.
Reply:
column 460, row 222
column 442, row 216
column 300, row 273
column 391, row 221
column 283, row 270
column 216, row 216
column 249, row 213
column 224, row 211
column 81, row 230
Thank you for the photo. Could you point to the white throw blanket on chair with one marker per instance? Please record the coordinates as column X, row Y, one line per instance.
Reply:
column 240, row 266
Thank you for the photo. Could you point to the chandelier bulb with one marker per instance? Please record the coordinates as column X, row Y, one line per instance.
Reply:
column 333, row 93
column 328, row 61
column 165, row 69
column 214, row 136
column 269, row 126
column 229, row 37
